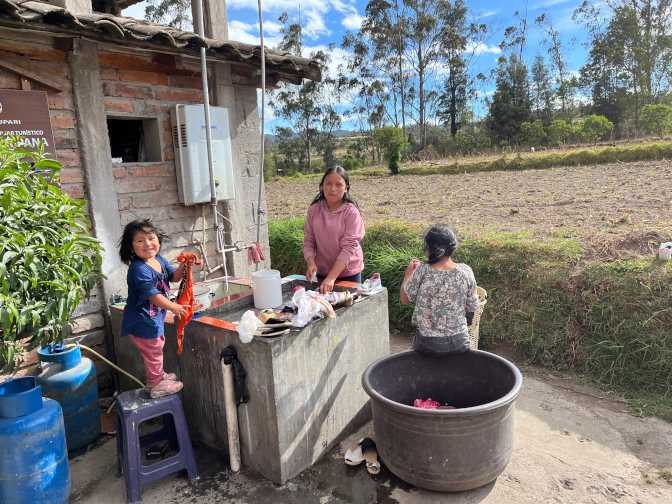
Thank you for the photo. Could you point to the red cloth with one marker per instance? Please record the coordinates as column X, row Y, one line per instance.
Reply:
column 152, row 353
column 254, row 254
column 186, row 296
column 428, row 404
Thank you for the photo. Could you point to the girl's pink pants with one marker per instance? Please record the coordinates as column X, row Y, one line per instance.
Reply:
column 152, row 353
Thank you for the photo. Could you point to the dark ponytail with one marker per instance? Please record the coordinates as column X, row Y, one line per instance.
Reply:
column 442, row 241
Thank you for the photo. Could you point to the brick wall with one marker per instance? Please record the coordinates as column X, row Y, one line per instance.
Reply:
column 146, row 87
column 37, row 55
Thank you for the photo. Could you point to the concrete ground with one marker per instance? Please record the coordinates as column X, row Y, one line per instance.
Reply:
column 572, row 445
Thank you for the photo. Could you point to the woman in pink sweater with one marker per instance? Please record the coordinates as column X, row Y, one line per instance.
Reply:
column 334, row 228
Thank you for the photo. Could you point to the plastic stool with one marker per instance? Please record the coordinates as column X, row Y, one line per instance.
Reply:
column 135, row 407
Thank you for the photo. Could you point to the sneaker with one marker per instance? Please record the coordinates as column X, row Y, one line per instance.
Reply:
column 169, row 376
column 165, row 388
column 372, row 283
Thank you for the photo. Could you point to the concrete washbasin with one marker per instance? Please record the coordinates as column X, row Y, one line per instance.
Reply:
column 444, row 450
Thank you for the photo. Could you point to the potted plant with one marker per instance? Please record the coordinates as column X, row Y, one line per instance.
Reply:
column 48, row 261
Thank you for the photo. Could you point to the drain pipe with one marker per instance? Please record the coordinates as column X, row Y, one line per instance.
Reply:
column 263, row 114
column 208, row 131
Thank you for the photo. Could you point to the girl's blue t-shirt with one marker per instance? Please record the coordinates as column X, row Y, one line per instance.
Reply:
column 142, row 318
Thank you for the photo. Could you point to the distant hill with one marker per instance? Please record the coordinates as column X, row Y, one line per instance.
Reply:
column 271, row 138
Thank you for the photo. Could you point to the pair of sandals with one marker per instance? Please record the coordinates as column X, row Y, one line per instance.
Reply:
column 273, row 328
column 365, row 451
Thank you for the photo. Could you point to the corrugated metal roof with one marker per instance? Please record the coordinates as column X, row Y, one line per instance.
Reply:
column 106, row 27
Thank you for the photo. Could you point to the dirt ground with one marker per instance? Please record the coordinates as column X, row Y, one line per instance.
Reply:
column 571, row 445
column 616, row 210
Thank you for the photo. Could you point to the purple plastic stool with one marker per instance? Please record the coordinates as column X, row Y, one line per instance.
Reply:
column 135, row 407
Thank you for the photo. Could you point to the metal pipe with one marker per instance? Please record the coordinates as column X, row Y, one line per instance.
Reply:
column 263, row 114
column 231, row 411
column 206, row 107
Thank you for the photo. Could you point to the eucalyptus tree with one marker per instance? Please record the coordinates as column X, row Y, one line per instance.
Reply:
column 175, row 13
column 541, row 90
column 310, row 107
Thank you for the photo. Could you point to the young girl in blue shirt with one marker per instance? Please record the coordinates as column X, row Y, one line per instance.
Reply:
column 149, row 276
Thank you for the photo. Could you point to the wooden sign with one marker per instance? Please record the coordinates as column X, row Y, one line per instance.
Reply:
column 26, row 114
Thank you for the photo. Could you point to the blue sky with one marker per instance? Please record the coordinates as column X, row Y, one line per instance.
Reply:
column 326, row 21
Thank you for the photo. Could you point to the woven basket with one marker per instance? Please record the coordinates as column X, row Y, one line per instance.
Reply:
column 473, row 328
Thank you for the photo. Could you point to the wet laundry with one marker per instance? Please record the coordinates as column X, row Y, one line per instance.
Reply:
column 186, row 295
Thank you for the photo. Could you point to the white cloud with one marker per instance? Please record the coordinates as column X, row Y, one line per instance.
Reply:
column 490, row 13
column 353, row 21
column 481, row 48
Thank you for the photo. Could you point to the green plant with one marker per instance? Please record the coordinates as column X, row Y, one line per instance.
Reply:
column 48, row 261
column 595, row 127
column 391, row 140
column 534, row 133
column 656, row 118
column 559, row 131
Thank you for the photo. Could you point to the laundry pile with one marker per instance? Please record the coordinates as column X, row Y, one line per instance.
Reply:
column 300, row 311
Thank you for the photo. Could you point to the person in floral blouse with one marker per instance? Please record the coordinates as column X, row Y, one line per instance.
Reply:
column 444, row 293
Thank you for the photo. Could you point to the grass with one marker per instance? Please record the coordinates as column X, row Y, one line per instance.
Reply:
column 611, row 323
column 527, row 162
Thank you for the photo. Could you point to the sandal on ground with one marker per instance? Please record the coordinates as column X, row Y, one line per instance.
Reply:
column 353, row 458
column 371, row 455
column 165, row 388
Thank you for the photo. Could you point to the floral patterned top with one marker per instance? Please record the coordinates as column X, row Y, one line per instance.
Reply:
column 441, row 299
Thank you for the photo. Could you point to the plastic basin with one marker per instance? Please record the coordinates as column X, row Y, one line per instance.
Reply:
column 444, row 450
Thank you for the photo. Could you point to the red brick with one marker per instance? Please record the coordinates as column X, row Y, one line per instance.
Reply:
column 182, row 96
column 170, row 184
column 74, row 190
column 168, row 154
column 183, row 81
column 71, row 176
column 44, row 68
column 119, row 172
column 159, row 199
column 62, row 121
column 159, row 109
column 119, row 105
column 68, row 158
column 59, row 102
column 61, row 82
column 109, row 74
column 168, row 138
column 124, row 203
column 135, row 186
column 167, row 126
column 148, row 77
column 158, row 170
column 8, row 81
column 35, row 51
column 182, row 211
column 125, row 91
column 65, row 139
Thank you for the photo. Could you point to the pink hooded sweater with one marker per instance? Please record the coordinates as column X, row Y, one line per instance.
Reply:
column 334, row 235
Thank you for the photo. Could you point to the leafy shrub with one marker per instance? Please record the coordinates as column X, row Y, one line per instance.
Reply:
column 533, row 133
column 48, row 261
column 656, row 118
column 595, row 127
column 559, row 131
column 391, row 141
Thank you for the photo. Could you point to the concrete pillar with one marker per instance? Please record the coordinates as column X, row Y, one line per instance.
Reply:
column 246, row 150
column 74, row 6
column 96, row 159
column 215, row 21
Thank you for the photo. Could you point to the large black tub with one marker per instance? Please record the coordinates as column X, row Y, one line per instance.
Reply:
column 444, row 450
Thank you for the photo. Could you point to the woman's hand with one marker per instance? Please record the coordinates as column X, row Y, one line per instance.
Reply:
column 310, row 273
column 178, row 310
column 411, row 267
column 327, row 285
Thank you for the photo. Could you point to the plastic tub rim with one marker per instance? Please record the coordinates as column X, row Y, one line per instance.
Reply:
column 510, row 397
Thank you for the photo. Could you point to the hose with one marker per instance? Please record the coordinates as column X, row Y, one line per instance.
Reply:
column 111, row 364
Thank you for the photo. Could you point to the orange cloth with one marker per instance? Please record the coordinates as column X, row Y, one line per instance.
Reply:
column 186, row 296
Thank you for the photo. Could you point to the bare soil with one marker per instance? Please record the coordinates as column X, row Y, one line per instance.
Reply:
column 616, row 210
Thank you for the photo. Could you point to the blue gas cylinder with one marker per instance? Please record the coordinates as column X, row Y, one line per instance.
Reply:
column 70, row 379
column 33, row 454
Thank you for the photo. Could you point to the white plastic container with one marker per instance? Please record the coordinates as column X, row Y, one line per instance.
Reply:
column 266, row 289
column 665, row 252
